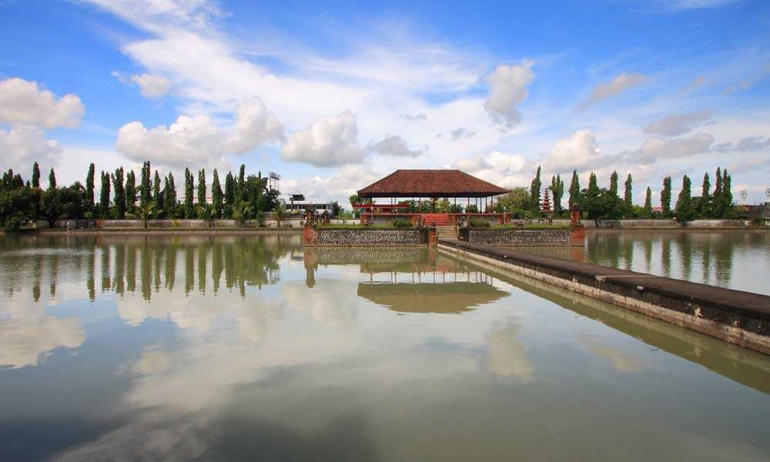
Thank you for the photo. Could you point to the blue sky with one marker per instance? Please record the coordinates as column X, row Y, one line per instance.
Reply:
column 335, row 95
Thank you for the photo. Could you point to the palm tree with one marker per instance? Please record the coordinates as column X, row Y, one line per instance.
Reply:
column 144, row 212
column 279, row 213
column 241, row 212
column 207, row 213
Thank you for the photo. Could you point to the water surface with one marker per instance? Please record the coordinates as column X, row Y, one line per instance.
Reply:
column 733, row 259
column 249, row 348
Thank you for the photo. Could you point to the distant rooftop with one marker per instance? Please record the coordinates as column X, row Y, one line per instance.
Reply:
column 431, row 183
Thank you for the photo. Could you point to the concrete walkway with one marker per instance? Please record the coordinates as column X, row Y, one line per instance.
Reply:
column 732, row 315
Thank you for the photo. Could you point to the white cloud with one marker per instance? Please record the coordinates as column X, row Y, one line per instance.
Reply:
column 152, row 86
column 340, row 186
column 677, row 124
column 197, row 140
column 24, row 102
column 23, row 145
column 578, row 152
column 500, row 168
column 697, row 4
column 393, row 146
column 614, row 87
column 507, row 89
column 748, row 144
column 330, row 141
column 654, row 148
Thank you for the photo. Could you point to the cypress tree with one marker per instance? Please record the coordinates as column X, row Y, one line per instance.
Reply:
column 202, row 188
column 628, row 193
column 716, row 208
column 157, row 196
column 614, row 184
column 648, row 203
column 665, row 197
column 36, row 175
column 119, row 194
column 684, row 210
column 705, row 197
column 104, row 196
column 145, row 194
column 169, row 196
column 89, row 187
column 574, row 190
column 130, row 192
column 240, row 188
column 534, row 191
column 229, row 195
column 216, row 195
column 189, row 210
column 727, row 195
column 51, row 180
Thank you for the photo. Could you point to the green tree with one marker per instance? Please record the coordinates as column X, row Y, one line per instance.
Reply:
column 648, row 203
column 684, row 210
column 145, row 212
column 716, row 202
column 130, row 191
column 557, row 187
column 336, row 209
column 665, row 197
column 705, row 205
column 229, row 195
column 515, row 202
column 201, row 187
column 51, row 206
column 614, row 184
column 36, row 175
column 119, row 194
column 89, row 187
column 534, row 191
column 17, row 206
column 52, row 179
column 241, row 212
column 145, row 194
column 157, row 195
column 726, row 203
column 169, row 196
column 104, row 196
column 575, row 195
column 217, row 198
column 628, row 198
column 240, row 187
column 279, row 213
column 189, row 187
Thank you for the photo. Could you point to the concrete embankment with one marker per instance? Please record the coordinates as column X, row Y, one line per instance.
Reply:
column 741, row 318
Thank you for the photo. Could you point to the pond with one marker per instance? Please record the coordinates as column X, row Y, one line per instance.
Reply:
column 251, row 348
column 732, row 259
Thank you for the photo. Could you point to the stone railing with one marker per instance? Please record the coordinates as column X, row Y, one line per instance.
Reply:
column 519, row 237
column 365, row 237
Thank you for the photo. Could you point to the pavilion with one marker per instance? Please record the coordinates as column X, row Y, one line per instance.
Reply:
column 429, row 184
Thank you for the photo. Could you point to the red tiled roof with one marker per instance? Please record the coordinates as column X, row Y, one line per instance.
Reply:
column 431, row 183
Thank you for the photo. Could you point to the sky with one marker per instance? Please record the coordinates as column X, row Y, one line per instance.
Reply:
column 335, row 95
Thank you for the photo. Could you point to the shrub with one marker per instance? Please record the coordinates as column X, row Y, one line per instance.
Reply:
column 757, row 221
column 261, row 219
column 401, row 223
column 479, row 223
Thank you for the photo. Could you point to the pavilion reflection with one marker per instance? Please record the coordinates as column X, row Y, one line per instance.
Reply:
column 413, row 280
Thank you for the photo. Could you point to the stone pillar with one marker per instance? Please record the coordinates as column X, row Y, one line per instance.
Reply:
column 577, row 232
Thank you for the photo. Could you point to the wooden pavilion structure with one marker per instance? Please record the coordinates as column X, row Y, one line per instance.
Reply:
column 429, row 184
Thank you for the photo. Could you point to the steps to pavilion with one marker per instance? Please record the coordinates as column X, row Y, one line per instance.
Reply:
column 446, row 232
column 436, row 219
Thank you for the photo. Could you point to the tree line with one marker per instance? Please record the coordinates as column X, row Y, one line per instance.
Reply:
column 242, row 198
column 607, row 203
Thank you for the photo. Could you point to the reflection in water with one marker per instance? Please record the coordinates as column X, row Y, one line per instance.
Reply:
column 508, row 354
column 733, row 259
column 252, row 348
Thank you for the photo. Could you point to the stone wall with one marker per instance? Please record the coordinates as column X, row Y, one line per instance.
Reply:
column 518, row 237
column 365, row 237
